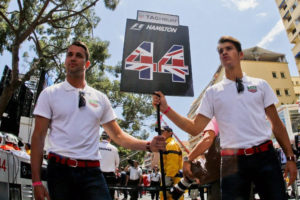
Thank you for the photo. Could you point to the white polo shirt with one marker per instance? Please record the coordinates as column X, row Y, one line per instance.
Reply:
column 241, row 117
column 155, row 176
column 74, row 131
column 109, row 156
column 135, row 173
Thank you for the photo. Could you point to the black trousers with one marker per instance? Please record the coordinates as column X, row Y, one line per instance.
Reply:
column 134, row 194
column 110, row 178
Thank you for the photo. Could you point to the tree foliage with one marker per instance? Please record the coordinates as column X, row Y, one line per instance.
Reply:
column 48, row 26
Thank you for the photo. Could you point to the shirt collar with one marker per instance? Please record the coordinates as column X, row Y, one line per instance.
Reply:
column 244, row 79
column 68, row 87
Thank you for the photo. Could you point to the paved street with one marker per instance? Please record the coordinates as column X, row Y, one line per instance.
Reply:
column 148, row 197
column 186, row 197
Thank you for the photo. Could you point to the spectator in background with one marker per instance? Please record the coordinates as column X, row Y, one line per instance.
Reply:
column 135, row 179
column 109, row 161
column 172, row 159
column 123, row 182
column 11, row 143
column 155, row 182
column 146, row 182
column 28, row 148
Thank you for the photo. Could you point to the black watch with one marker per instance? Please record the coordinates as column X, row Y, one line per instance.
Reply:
column 186, row 159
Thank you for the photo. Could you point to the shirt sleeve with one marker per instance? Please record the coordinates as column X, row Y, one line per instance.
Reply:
column 206, row 106
column 269, row 96
column 108, row 113
column 213, row 126
column 43, row 107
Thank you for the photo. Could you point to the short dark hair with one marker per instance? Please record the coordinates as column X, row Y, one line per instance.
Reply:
column 232, row 40
column 82, row 45
column 166, row 128
column 104, row 136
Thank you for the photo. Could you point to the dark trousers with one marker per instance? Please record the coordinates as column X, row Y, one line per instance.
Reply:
column 156, row 192
column 263, row 169
column 134, row 194
column 111, row 180
column 68, row 183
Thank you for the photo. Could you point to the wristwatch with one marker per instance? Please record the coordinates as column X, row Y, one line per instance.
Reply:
column 186, row 159
column 291, row 158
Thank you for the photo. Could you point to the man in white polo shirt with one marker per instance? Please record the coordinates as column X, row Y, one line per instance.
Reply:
column 240, row 105
column 109, row 161
column 74, row 112
column 135, row 179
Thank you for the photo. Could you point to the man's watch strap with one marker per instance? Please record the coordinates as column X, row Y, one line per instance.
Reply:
column 186, row 159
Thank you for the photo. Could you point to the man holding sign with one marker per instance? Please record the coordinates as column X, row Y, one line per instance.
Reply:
column 240, row 105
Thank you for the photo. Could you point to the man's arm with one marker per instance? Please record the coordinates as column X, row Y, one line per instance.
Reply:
column 204, row 144
column 127, row 141
column 193, row 127
column 37, row 146
column 281, row 136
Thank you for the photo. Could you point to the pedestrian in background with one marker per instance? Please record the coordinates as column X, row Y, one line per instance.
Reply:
column 109, row 162
column 172, row 159
column 135, row 179
column 155, row 178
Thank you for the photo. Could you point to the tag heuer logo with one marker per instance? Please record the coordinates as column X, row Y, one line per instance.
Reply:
column 137, row 27
column 252, row 89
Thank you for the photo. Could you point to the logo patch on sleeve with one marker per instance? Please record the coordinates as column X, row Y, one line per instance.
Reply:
column 252, row 89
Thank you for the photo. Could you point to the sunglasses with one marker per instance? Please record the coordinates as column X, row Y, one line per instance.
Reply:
column 81, row 99
column 239, row 85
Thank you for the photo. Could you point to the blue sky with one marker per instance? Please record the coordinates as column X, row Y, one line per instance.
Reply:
column 253, row 22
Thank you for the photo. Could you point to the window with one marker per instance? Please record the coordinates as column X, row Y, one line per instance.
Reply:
column 282, row 74
column 278, row 92
column 287, row 92
column 274, row 74
column 293, row 6
column 297, row 83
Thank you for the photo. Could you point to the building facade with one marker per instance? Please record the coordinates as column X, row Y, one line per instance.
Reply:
column 296, row 83
column 290, row 13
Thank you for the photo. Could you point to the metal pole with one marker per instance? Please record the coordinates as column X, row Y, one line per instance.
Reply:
column 161, row 157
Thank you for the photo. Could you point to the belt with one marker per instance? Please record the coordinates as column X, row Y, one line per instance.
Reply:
column 247, row 152
column 73, row 162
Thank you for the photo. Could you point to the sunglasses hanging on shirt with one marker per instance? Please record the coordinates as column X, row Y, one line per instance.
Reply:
column 81, row 99
column 239, row 85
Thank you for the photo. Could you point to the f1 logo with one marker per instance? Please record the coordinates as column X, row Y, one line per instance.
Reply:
column 137, row 27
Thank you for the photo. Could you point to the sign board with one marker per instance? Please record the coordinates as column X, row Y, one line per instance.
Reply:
column 159, row 18
column 156, row 57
